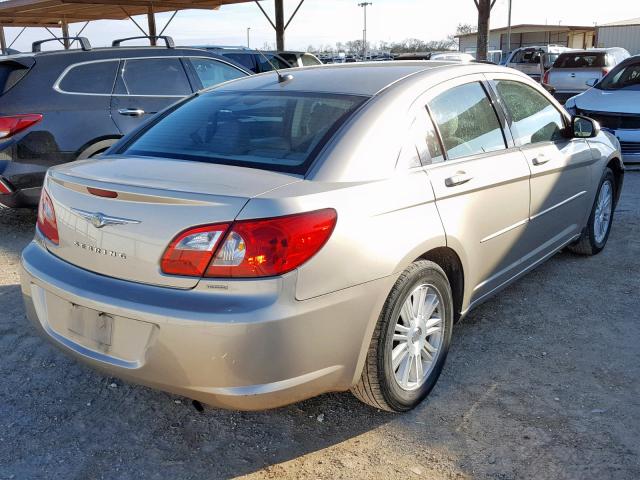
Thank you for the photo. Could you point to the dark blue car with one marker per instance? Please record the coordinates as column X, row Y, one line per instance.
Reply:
column 60, row 106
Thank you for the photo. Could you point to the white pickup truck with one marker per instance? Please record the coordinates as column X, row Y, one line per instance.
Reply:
column 528, row 59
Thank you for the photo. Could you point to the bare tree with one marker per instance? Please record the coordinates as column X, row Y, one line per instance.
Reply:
column 484, row 14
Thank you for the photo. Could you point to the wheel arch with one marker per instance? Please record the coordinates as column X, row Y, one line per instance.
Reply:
column 616, row 165
column 450, row 262
column 96, row 145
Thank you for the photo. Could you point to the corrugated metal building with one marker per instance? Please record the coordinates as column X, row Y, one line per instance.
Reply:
column 528, row 35
column 625, row 34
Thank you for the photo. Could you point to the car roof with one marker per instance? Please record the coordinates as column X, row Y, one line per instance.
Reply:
column 107, row 52
column 365, row 78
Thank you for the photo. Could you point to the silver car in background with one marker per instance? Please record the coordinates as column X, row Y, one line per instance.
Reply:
column 615, row 103
column 576, row 71
column 280, row 237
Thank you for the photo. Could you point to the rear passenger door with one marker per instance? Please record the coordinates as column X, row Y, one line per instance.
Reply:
column 481, row 185
column 560, row 173
column 146, row 86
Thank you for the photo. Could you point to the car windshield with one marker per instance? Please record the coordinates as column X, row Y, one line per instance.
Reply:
column 580, row 60
column 280, row 131
column 623, row 77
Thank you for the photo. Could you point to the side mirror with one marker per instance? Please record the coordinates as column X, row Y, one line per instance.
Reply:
column 591, row 82
column 584, row 127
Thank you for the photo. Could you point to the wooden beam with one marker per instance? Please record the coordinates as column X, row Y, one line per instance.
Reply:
column 279, row 25
column 153, row 32
column 65, row 35
column 3, row 40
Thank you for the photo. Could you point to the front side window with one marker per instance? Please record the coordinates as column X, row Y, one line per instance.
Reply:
column 269, row 130
column 90, row 78
column 155, row 76
column 211, row 72
column 467, row 122
column 244, row 59
column 534, row 118
column 310, row 60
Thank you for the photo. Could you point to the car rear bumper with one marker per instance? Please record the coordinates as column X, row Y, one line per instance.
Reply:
column 227, row 349
column 25, row 169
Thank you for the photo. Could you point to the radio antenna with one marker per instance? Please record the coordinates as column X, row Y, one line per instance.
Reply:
column 281, row 78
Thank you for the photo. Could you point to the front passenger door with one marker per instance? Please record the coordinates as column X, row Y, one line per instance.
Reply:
column 146, row 86
column 560, row 173
column 481, row 187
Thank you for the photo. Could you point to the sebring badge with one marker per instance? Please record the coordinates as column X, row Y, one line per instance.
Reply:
column 100, row 220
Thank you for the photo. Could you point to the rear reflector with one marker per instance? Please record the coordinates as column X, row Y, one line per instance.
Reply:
column 47, row 223
column 102, row 193
column 5, row 189
column 11, row 125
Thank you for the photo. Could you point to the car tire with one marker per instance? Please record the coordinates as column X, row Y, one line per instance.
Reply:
column 382, row 384
column 595, row 235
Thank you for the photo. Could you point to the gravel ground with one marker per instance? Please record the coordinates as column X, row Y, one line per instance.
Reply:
column 542, row 382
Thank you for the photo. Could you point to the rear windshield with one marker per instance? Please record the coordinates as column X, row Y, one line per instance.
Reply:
column 581, row 60
column 10, row 74
column 625, row 76
column 270, row 130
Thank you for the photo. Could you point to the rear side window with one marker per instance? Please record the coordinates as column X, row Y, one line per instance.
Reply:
column 10, row 74
column 155, row 76
column 90, row 78
column 467, row 122
column 534, row 118
column 309, row 60
column 244, row 59
column 274, row 61
column 581, row 60
column 269, row 130
column 211, row 72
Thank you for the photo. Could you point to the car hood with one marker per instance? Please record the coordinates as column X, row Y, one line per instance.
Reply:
column 615, row 101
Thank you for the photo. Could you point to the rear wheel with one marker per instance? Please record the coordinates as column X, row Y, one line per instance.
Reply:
column 595, row 236
column 410, row 342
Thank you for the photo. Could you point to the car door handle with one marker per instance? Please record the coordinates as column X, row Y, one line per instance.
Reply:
column 458, row 179
column 540, row 159
column 131, row 112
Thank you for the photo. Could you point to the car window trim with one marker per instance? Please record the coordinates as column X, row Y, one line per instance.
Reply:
column 56, row 85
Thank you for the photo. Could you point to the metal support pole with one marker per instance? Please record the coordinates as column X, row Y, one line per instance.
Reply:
column 509, row 30
column 65, row 34
column 248, row 37
column 3, row 41
column 153, row 33
column 364, row 32
column 279, row 25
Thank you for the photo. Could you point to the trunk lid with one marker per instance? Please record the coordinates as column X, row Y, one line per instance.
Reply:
column 157, row 199
column 573, row 79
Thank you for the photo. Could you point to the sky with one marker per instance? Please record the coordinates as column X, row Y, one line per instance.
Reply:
column 322, row 22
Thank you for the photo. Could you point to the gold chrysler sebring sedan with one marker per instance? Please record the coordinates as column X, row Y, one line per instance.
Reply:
column 278, row 237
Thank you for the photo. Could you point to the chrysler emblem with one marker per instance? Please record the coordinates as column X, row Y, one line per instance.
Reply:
column 100, row 220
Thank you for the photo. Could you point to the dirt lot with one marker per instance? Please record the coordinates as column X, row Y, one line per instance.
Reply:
column 542, row 382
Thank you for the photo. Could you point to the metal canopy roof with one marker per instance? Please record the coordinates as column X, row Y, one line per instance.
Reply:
column 52, row 13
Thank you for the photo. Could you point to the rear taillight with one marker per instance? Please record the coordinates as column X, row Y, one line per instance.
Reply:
column 5, row 189
column 47, row 223
column 545, row 78
column 251, row 248
column 191, row 251
column 13, row 124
